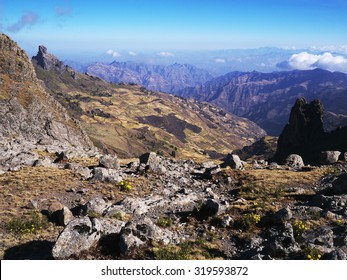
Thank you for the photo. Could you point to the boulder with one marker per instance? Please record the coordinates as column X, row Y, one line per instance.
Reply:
column 138, row 232
column 209, row 172
column 59, row 213
column 111, row 225
column 339, row 186
column 109, row 161
column 322, row 238
column 278, row 218
column 84, row 172
column 96, row 207
column 107, row 175
column 295, row 161
column 329, row 157
column 46, row 162
column 79, row 235
column 139, row 206
column 233, row 161
column 152, row 162
column 212, row 207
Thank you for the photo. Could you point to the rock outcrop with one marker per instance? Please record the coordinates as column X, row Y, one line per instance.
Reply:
column 304, row 135
column 47, row 61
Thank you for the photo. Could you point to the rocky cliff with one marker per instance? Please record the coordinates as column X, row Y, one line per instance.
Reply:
column 304, row 134
column 27, row 113
column 168, row 79
column 266, row 98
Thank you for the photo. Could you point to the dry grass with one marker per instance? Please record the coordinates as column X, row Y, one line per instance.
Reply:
column 44, row 185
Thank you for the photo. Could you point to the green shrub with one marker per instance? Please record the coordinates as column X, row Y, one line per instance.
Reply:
column 125, row 186
column 299, row 227
column 250, row 219
column 164, row 222
column 313, row 254
column 27, row 224
column 181, row 252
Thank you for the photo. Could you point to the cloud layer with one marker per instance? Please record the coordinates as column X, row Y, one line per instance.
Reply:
column 307, row 61
column 113, row 53
column 220, row 60
column 27, row 19
column 165, row 54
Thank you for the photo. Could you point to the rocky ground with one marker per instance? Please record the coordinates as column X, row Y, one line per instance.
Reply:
column 65, row 206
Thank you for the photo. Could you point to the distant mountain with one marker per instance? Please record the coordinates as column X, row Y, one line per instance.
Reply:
column 168, row 79
column 130, row 119
column 266, row 98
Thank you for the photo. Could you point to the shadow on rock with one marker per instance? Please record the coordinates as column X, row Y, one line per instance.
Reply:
column 33, row 250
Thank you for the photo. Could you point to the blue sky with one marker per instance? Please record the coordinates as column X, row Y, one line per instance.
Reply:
column 164, row 26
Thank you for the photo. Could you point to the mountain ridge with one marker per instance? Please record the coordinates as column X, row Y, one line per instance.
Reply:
column 163, row 78
column 130, row 119
column 266, row 98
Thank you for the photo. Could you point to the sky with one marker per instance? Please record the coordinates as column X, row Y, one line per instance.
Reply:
column 167, row 26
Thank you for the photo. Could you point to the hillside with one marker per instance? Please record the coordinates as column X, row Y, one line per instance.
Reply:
column 168, row 79
column 30, row 119
column 61, row 199
column 266, row 98
column 130, row 119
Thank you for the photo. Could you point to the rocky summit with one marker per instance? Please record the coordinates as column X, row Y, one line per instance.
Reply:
column 61, row 198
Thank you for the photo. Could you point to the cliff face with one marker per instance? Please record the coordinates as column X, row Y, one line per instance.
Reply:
column 266, row 98
column 27, row 112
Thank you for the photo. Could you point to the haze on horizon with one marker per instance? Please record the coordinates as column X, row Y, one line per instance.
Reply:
column 73, row 28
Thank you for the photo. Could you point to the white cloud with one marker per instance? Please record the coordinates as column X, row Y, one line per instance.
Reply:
column 132, row 53
column 338, row 48
column 165, row 54
column 113, row 53
column 27, row 19
column 220, row 60
column 306, row 61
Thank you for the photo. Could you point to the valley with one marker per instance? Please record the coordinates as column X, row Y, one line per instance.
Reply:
column 92, row 170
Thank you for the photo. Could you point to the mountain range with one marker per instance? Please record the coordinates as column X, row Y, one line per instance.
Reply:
column 170, row 78
column 130, row 119
column 266, row 98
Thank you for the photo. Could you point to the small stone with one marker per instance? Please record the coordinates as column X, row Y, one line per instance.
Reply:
column 226, row 221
